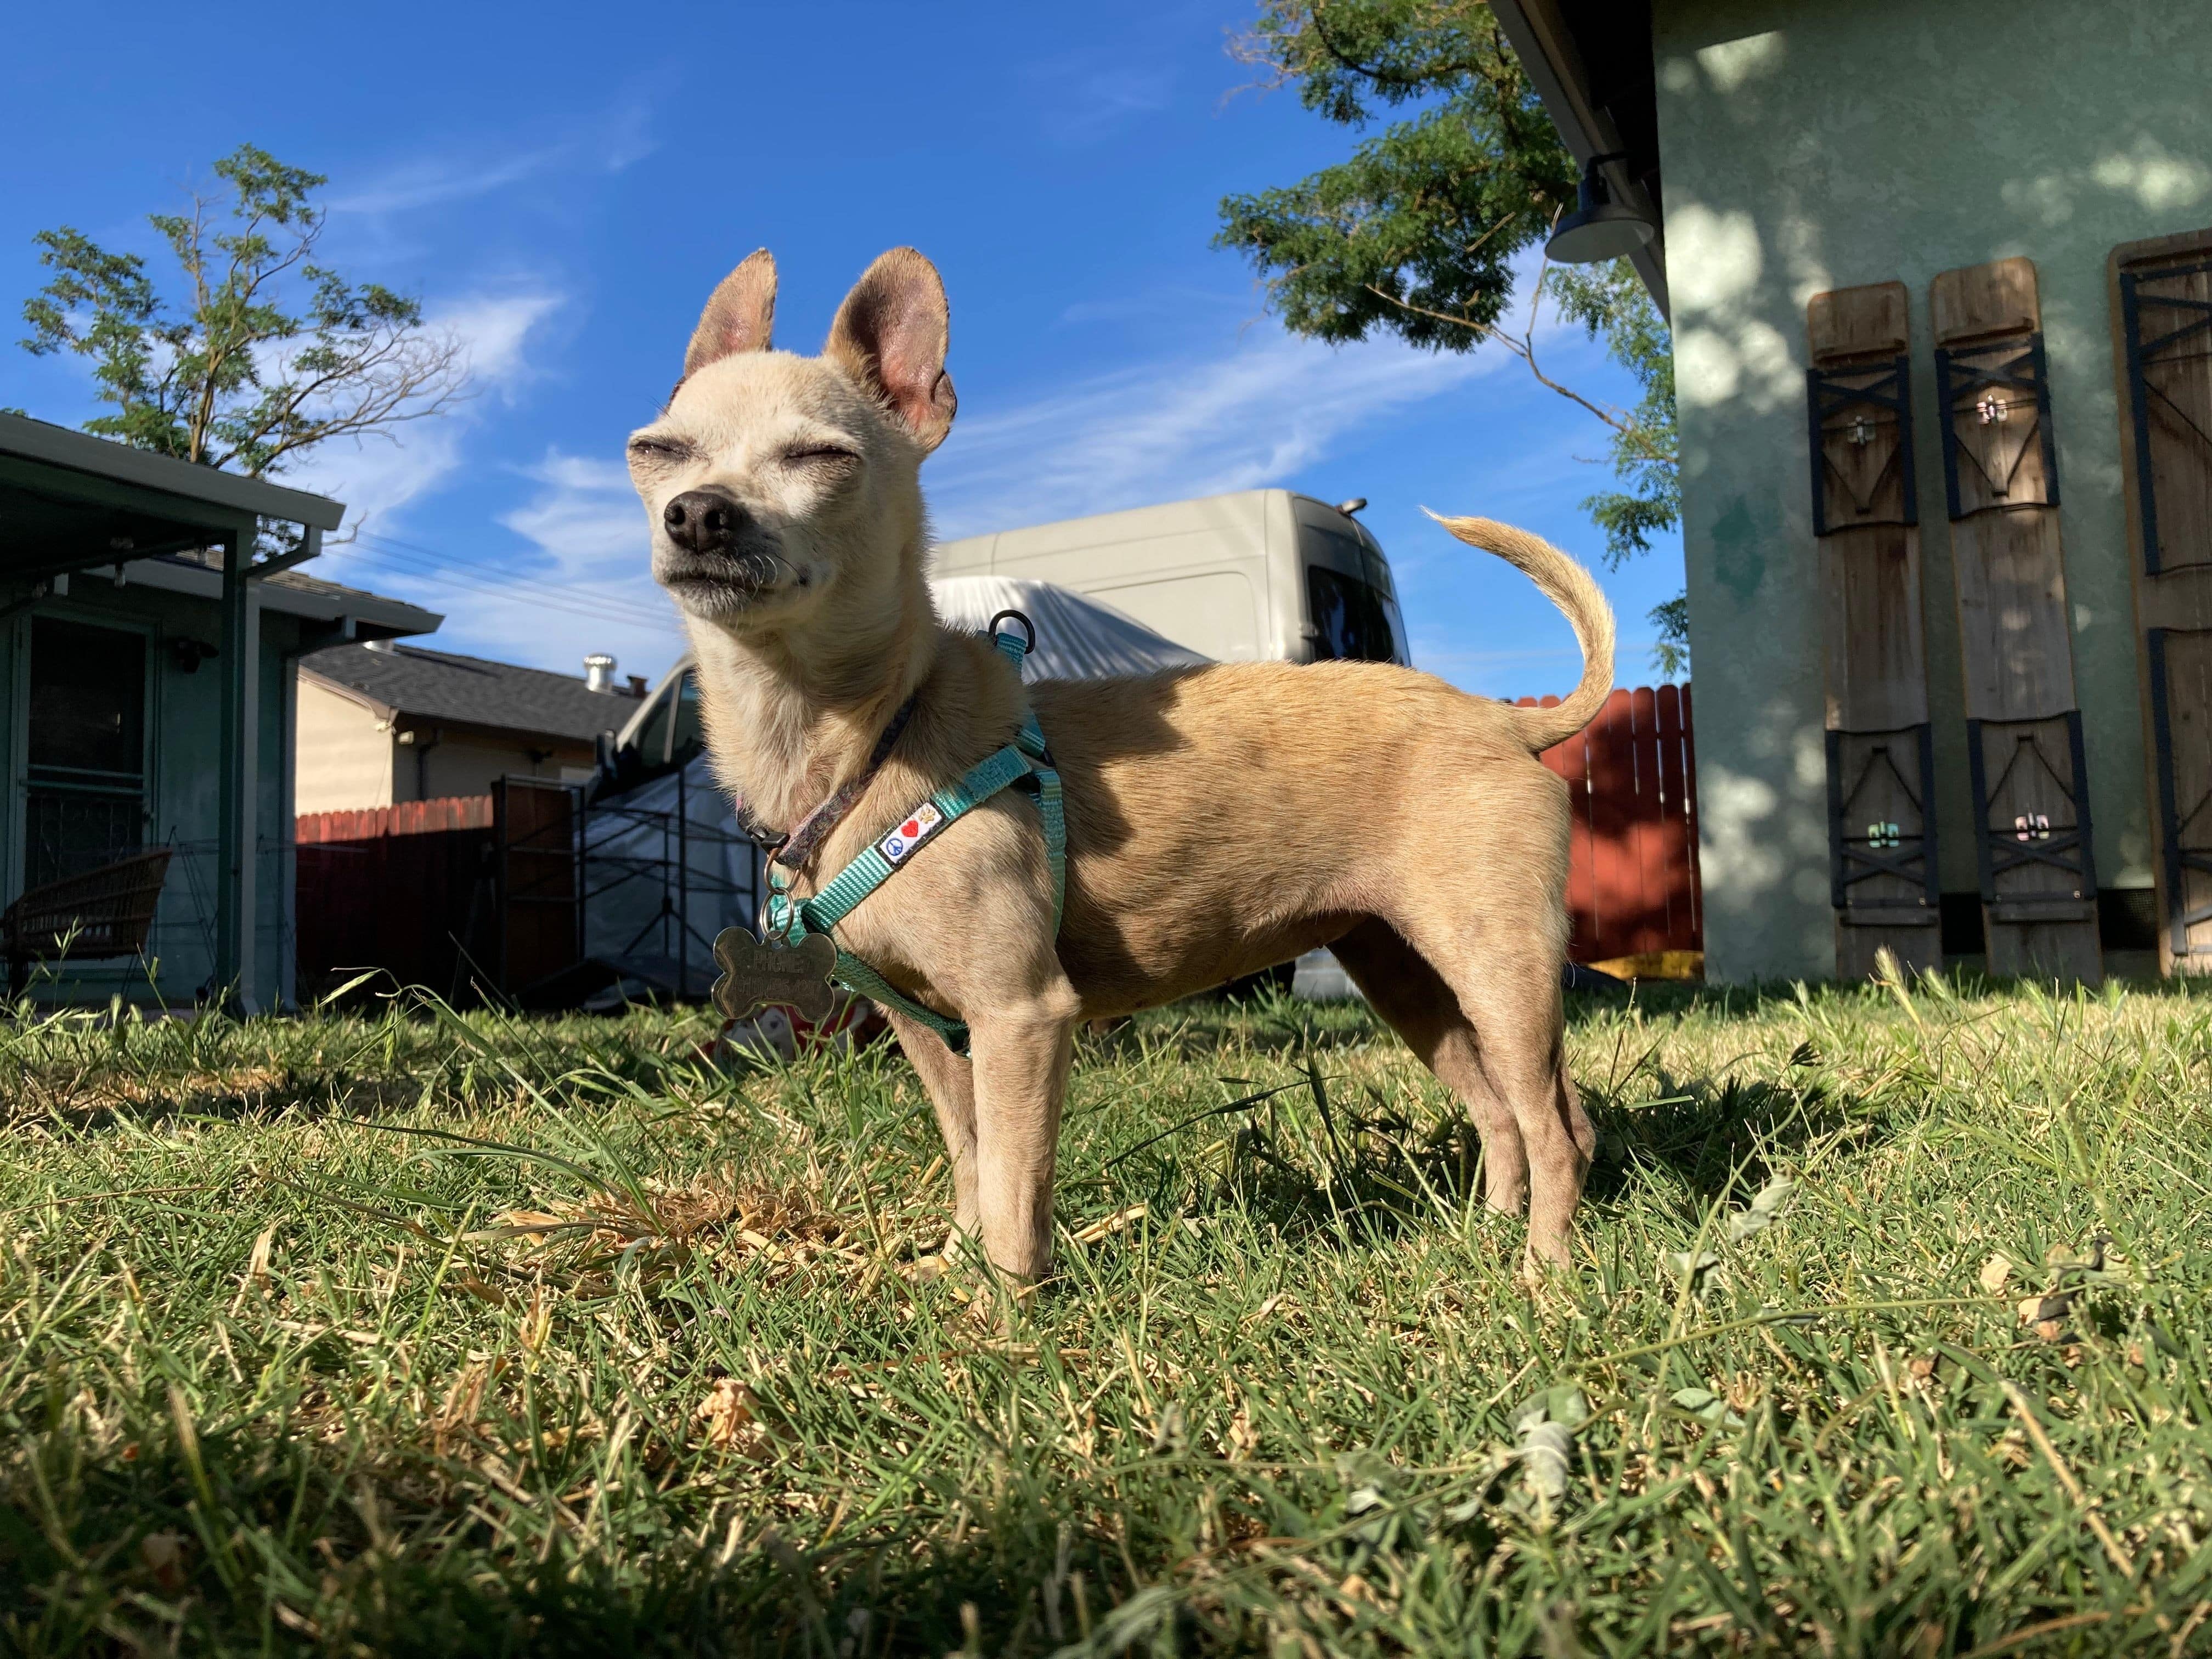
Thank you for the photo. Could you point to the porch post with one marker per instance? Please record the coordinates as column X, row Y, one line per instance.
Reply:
column 236, row 967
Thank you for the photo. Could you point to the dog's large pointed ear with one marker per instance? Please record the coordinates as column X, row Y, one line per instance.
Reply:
column 740, row 313
column 891, row 334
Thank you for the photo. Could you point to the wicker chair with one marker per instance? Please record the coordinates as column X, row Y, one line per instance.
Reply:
column 100, row 913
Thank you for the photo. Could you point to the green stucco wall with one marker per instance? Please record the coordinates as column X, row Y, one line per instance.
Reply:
column 186, row 720
column 1811, row 147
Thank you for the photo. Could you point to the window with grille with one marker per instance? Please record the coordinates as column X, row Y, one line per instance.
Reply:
column 85, row 790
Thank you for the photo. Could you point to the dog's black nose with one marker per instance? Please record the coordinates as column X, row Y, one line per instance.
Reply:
column 703, row 520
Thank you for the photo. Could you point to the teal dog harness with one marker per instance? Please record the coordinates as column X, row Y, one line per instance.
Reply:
column 1025, row 762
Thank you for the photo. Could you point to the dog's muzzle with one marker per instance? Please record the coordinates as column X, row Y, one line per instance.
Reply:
column 714, row 554
column 718, row 580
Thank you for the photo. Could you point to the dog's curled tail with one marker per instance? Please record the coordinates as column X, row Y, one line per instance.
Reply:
column 1575, row 592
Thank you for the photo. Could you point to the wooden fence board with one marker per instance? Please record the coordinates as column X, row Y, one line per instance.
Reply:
column 1650, row 821
column 1677, row 847
column 1616, row 889
column 1690, row 813
column 1632, row 870
column 411, row 817
column 415, row 902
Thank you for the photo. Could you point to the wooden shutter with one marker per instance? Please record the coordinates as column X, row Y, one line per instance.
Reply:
column 2163, row 317
column 2032, row 836
column 1882, row 822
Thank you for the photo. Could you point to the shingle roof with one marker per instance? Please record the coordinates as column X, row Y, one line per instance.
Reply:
column 437, row 685
column 307, row 584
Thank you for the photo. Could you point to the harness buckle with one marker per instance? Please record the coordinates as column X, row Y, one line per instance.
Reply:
column 1029, row 628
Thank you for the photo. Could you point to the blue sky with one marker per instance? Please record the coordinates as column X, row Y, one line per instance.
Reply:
column 562, row 186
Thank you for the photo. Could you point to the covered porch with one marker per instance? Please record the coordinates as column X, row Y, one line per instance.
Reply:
column 148, row 624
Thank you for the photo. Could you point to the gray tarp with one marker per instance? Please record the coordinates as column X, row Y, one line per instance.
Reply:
column 665, row 869
column 1078, row 638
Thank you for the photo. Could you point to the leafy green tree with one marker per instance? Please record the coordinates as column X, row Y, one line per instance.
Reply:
column 226, row 374
column 1420, row 231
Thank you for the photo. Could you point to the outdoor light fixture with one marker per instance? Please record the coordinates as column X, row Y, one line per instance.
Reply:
column 1599, row 227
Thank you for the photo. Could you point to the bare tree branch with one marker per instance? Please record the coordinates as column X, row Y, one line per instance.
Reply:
column 1522, row 346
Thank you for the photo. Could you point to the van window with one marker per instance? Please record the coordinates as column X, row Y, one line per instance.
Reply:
column 1351, row 621
column 1378, row 575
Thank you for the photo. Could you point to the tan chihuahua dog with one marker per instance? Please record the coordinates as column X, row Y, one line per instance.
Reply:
column 1219, row 819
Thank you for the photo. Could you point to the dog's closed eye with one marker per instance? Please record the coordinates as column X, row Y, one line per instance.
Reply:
column 825, row 455
column 661, row 451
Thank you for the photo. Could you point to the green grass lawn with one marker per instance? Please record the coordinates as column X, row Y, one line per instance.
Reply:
column 440, row 1334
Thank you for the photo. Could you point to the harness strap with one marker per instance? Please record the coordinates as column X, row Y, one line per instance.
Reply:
column 1025, row 762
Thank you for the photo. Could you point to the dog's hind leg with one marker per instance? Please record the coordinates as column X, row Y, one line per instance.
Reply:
column 1504, row 966
column 1420, row 1007
column 948, row 1080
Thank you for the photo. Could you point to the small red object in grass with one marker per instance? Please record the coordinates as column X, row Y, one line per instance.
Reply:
column 853, row 1022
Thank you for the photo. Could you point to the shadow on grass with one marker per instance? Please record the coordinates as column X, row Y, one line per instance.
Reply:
column 1712, row 1140
column 86, row 1076
column 1340, row 1158
column 244, row 1540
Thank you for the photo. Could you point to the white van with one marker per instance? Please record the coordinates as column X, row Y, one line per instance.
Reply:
column 1260, row 575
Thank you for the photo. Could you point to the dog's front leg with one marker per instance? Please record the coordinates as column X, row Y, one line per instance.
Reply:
column 1022, row 1054
column 948, row 1080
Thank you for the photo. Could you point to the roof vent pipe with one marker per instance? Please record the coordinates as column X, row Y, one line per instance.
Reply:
column 600, row 671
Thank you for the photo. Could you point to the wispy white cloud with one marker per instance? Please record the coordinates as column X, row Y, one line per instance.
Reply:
column 1164, row 299
column 580, row 584
column 379, row 475
column 431, row 181
column 616, row 139
column 1082, row 101
column 494, row 330
column 585, row 518
column 589, row 556
column 1245, row 418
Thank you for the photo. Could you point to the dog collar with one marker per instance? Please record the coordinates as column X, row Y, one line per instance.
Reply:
column 794, row 850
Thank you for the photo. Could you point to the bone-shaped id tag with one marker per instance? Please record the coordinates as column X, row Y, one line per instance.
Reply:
column 757, row 976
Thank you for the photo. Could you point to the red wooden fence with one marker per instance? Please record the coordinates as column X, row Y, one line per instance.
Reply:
column 411, row 818
column 411, row 889
column 1632, row 881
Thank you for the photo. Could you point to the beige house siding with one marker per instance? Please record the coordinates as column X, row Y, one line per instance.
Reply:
column 344, row 756
column 353, row 756
column 446, row 762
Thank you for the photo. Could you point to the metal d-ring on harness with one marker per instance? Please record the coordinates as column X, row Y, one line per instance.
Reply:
column 786, row 921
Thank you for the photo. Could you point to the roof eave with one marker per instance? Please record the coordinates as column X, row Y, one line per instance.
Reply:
column 1540, row 37
column 352, row 694
column 79, row 452
column 374, row 616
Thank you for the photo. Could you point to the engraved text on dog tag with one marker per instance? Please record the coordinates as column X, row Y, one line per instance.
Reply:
column 756, row 975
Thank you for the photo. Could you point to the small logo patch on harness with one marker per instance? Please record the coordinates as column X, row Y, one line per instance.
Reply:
column 924, row 822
